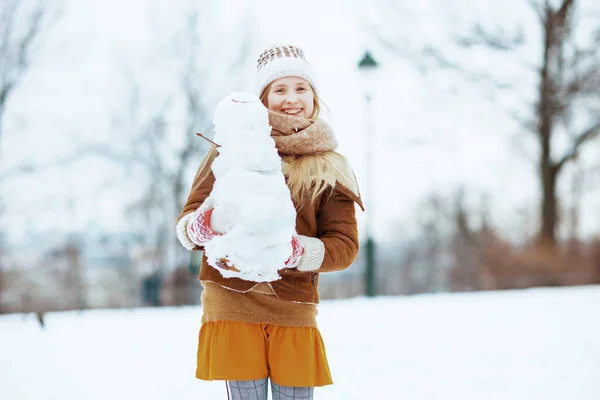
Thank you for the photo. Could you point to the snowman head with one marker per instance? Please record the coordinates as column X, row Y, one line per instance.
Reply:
column 240, row 110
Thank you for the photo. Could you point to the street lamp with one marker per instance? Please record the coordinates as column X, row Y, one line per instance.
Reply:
column 367, row 66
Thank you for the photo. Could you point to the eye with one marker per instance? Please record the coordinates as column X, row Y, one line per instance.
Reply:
column 301, row 89
column 279, row 90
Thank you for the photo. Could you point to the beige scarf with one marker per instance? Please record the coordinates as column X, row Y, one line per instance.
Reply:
column 309, row 160
column 300, row 136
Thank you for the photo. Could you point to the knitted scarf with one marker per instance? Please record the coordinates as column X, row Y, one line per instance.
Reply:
column 300, row 136
column 305, row 145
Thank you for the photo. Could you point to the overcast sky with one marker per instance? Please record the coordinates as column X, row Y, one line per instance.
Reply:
column 432, row 130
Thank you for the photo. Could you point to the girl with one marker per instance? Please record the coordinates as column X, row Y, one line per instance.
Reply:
column 255, row 331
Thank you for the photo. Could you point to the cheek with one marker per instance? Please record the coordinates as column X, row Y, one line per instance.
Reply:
column 308, row 98
column 309, row 102
column 272, row 103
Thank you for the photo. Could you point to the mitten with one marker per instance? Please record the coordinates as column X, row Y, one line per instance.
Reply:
column 313, row 253
column 199, row 229
column 297, row 252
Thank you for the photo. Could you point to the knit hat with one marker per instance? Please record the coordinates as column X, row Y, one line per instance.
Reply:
column 281, row 61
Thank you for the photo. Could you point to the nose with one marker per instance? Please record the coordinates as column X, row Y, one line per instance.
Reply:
column 291, row 98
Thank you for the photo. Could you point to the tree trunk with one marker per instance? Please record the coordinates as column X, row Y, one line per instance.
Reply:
column 545, row 113
column 547, row 234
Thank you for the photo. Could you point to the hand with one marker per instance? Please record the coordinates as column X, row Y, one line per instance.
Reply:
column 297, row 253
column 199, row 229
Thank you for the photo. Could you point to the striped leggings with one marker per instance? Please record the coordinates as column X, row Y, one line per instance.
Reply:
column 258, row 390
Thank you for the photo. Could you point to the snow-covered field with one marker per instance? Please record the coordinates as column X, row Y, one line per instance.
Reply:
column 531, row 344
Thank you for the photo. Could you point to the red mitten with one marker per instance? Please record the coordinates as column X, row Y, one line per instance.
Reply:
column 198, row 229
column 297, row 253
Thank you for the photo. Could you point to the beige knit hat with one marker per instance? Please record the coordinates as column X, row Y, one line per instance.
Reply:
column 281, row 61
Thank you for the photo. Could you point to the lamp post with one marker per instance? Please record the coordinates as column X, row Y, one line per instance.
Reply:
column 367, row 66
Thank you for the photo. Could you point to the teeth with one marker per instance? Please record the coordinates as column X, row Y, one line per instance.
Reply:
column 292, row 112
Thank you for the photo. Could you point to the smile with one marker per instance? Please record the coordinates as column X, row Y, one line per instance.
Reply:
column 292, row 111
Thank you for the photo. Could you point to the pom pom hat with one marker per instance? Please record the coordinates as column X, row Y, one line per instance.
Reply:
column 281, row 61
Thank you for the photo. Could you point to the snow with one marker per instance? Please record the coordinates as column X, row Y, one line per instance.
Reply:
column 529, row 344
column 250, row 189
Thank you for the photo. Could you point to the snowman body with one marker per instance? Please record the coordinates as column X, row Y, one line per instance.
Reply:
column 251, row 189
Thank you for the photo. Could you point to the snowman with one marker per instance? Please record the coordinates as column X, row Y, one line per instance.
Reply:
column 250, row 189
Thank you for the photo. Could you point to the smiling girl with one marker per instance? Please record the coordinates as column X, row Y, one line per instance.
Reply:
column 252, row 332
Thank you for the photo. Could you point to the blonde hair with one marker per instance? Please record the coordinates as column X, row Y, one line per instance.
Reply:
column 308, row 176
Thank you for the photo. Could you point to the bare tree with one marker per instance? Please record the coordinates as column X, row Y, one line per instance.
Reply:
column 568, row 79
column 68, row 282
column 568, row 76
column 568, row 73
column 167, row 170
column 75, row 279
column 195, row 80
column 6, row 278
column 574, row 212
column 21, row 28
column 428, row 256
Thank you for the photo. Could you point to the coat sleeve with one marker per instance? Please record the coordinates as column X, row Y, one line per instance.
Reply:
column 336, row 245
column 201, row 188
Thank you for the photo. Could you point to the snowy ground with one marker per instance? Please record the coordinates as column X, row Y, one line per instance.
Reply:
column 532, row 344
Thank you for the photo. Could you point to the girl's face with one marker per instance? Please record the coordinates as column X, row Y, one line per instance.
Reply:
column 291, row 95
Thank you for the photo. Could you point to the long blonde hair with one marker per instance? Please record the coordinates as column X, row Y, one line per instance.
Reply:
column 311, row 175
column 308, row 176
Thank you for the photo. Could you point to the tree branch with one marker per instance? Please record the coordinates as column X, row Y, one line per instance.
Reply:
column 586, row 136
column 29, row 38
column 539, row 10
column 585, row 83
column 527, row 123
column 14, row 68
column 470, row 76
column 498, row 40
column 563, row 11
column 19, row 33
column 8, row 17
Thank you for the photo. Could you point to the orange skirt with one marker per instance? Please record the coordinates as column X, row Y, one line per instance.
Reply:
column 238, row 351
